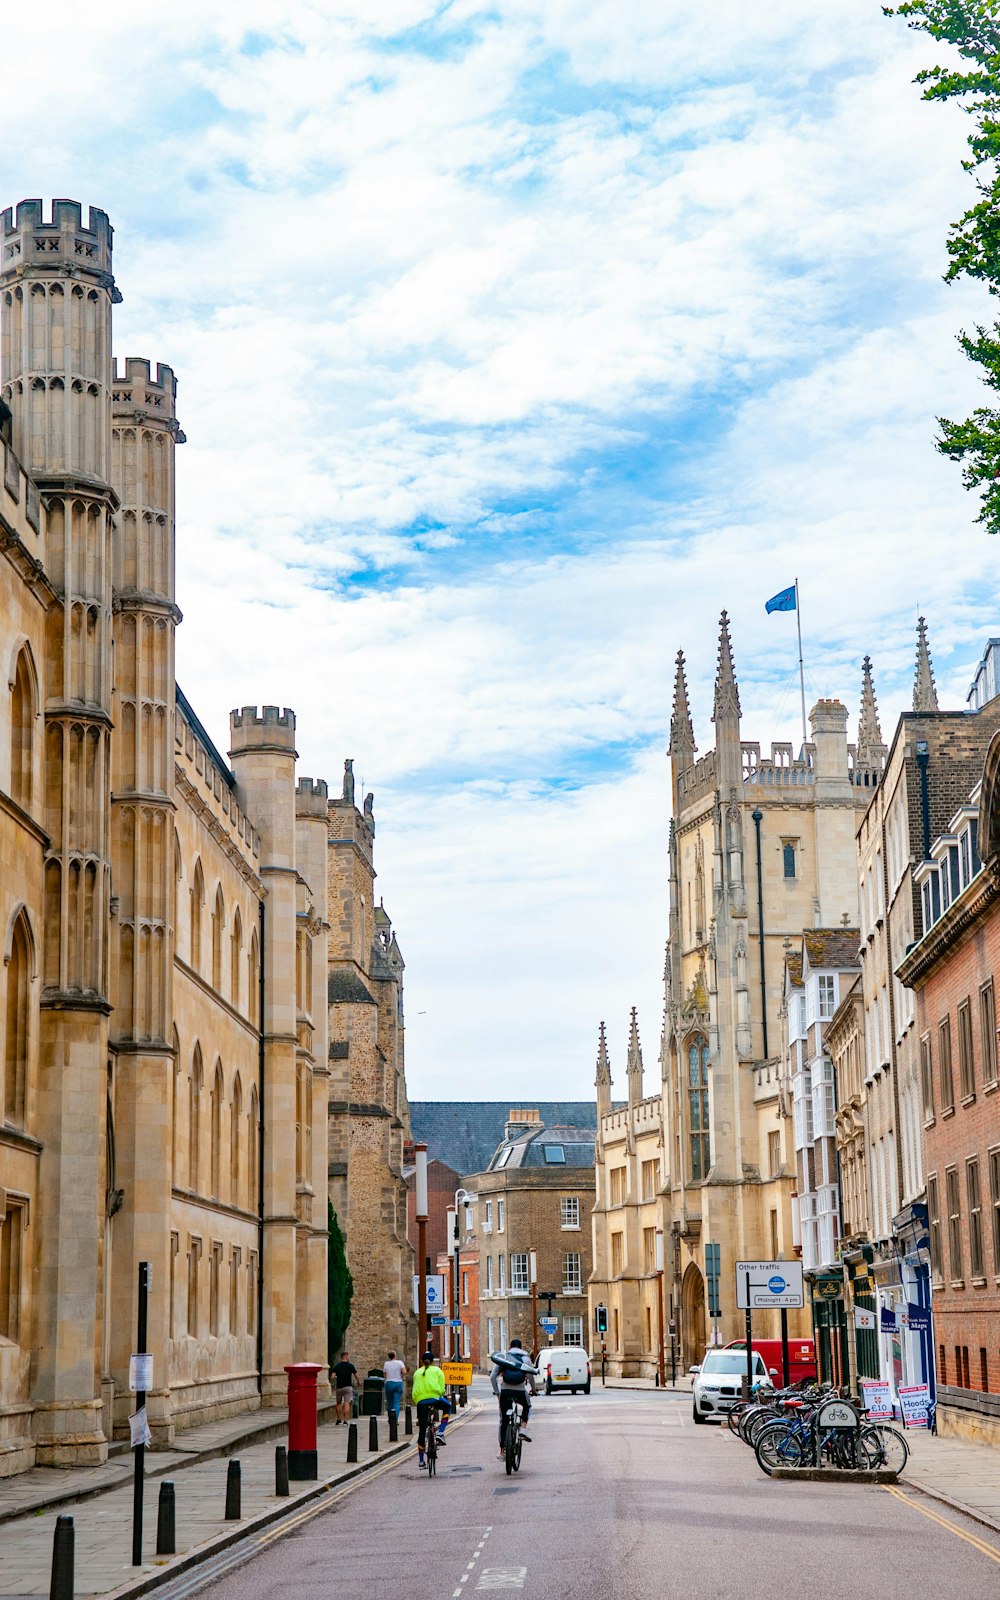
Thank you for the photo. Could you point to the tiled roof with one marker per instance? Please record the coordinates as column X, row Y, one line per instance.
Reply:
column 832, row 947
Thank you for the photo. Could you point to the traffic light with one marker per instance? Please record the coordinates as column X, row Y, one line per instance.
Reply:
column 602, row 1319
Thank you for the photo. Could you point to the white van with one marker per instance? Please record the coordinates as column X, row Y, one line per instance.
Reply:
column 564, row 1366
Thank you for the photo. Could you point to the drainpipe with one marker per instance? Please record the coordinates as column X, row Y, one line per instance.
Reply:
column 923, row 761
column 260, row 1156
column 758, row 817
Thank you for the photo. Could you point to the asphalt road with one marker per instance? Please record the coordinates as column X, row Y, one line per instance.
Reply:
column 619, row 1497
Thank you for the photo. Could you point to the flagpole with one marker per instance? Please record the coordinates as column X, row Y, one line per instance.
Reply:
column 802, row 677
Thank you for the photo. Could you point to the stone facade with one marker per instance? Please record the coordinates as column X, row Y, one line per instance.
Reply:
column 164, row 912
column 368, row 1115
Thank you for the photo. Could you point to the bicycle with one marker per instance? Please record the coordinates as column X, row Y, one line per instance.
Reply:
column 512, row 1440
column 431, row 1443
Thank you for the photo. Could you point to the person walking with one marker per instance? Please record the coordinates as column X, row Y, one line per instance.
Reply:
column 395, row 1375
column 345, row 1379
column 428, row 1395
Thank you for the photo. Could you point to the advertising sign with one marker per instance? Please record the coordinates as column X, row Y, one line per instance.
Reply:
column 767, row 1285
column 918, row 1319
column 877, row 1397
column 457, row 1373
column 913, row 1402
column 887, row 1319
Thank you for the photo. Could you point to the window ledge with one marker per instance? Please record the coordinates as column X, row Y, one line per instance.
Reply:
column 958, row 1283
column 979, row 1283
column 570, row 1227
column 991, row 1088
column 968, row 1099
column 929, row 1122
column 949, row 1111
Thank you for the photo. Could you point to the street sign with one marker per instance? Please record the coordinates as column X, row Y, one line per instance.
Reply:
column 438, row 1322
column 458, row 1373
column 435, row 1291
column 455, row 1324
column 550, row 1324
column 761, row 1285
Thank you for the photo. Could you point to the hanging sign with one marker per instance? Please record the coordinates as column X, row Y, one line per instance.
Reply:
column 887, row 1320
column 918, row 1319
column 864, row 1319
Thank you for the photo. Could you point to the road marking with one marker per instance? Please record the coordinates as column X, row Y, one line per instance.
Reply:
column 502, row 1578
column 970, row 1538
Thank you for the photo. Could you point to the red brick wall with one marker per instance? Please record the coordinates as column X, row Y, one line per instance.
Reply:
column 966, row 1311
column 442, row 1181
column 468, row 1303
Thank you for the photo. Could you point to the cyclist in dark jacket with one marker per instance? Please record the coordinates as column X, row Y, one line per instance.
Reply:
column 512, row 1380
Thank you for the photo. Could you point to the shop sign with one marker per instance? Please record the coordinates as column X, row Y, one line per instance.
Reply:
column 887, row 1319
column 828, row 1288
column 918, row 1319
column 864, row 1319
column 877, row 1396
column 913, row 1402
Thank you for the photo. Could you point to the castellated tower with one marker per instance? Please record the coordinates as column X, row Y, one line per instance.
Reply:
column 262, row 752
column 56, row 294
column 312, row 1072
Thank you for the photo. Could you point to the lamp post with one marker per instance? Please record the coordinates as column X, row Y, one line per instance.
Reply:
column 420, row 1153
column 462, row 1197
column 533, row 1275
column 659, row 1307
column 451, row 1234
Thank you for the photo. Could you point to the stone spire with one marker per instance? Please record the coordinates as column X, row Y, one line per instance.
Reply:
column 682, row 745
column 924, row 689
column 634, row 1063
column 870, row 747
column 602, row 1079
column 727, row 695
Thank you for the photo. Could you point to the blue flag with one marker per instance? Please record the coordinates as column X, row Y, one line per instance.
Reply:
column 784, row 600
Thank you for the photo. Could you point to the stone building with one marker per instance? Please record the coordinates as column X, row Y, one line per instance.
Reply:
column 163, row 911
column 626, row 1216
column 952, row 972
column 934, row 759
column 536, row 1194
column 368, row 1113
column 845, row 1043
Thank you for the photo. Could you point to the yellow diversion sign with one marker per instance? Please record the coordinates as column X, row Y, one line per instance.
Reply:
column 457, row 1373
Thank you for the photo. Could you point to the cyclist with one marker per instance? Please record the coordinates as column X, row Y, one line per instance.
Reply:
column 512, row 1377
column 428, row 1396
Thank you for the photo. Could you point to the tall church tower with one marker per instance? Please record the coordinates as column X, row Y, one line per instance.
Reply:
column 144, row 433
column 57, row 290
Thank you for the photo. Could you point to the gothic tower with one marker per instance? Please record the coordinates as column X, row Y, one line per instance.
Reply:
column 57, row 291
column 144, row 433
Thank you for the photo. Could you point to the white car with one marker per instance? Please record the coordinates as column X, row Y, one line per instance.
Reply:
column 717, row 1383
column 564, row 1366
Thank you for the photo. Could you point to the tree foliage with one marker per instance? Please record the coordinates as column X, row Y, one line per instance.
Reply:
column 340, row 1288
column 973, row 28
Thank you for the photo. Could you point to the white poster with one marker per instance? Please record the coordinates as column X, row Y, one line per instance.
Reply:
column 139, row 1428
column 877, row 1396
column 140, row 1373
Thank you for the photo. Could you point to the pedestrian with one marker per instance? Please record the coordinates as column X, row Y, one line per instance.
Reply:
column 428, row 1393
column 345, row 1378
column 395, row 1375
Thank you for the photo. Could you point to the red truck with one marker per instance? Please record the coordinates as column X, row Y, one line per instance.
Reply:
column 801, row 1357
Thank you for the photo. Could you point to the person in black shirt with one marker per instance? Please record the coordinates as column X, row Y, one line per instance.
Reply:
column 345, row 1378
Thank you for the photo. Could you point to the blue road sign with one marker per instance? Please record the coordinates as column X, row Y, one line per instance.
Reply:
column 550, row 1324
column 439, row 1322
column 431, row 1294
column 456, row 1324
column 776, row 1284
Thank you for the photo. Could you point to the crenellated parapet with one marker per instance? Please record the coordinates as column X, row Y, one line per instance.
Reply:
column 312, row 798
column 61, row 243
column 139, row 396
column 266, row 730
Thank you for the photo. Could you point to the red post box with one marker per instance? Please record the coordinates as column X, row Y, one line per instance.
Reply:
column 302, row 1463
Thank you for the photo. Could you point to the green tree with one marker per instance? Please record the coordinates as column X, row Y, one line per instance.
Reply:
column 340, row 1288
column 973, row 27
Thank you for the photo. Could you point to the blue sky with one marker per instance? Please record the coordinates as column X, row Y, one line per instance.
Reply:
column 514, row 342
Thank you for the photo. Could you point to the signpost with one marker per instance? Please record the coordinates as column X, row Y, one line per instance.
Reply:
column 549, row 1324
column 765, row 1286
column 434, row 1295
column 140, row 1367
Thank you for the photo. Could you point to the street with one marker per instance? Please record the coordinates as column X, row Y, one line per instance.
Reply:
column 619, row 1495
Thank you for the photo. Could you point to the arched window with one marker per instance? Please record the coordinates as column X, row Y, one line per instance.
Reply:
column 253, row 978
column 22, row 726
column 218, row 928
column 253, row 1151
column 18, row 1019
column 235, row 1136
column 235, row 958
column 701, row 1154
column 218, row 1097
column 197, row 901
column 195, row 1083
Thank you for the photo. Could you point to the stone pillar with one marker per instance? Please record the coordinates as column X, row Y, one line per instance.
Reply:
column 57, row 290
column 145, row 431
column 263, row 757
column 311, row 801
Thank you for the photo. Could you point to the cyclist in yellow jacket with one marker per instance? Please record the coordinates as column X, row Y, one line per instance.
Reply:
column 428, row 1396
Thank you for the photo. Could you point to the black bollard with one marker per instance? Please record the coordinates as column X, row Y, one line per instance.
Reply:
column 393, row 1426
column 352, row 1441
column 373, row 1433
column 281, row 1470
column 63, row 1548
column 409, row 1421
column 233, row 1484
column 166, row 1521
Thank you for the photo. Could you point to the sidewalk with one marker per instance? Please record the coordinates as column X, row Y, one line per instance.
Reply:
column 103, row 1522
column 963, row 1475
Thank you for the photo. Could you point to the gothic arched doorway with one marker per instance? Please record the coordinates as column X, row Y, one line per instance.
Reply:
column 692, row 1316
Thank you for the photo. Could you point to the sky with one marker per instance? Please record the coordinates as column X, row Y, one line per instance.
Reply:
column 514, row 341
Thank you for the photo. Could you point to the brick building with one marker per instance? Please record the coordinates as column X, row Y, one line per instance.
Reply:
column 952, row 971
column 468, row 1304
column 442, row 1184
column 536, row 1194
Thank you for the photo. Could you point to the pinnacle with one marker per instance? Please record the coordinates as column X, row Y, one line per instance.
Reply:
column 869, row 730
column 727, row 694
column 681, row 730
column 603, row 1063
column 925, row 696
column 634, row 1047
